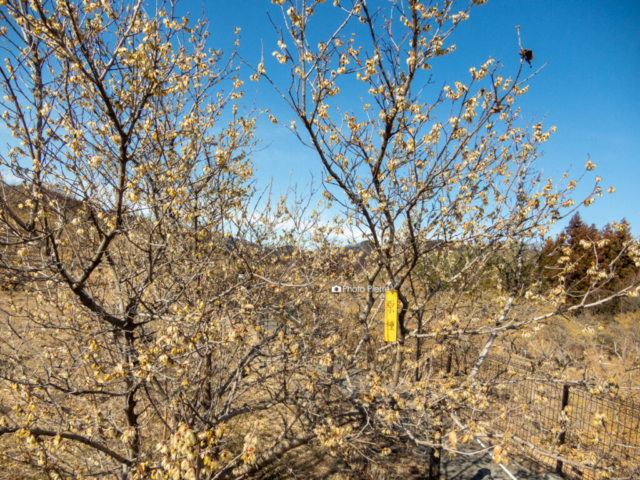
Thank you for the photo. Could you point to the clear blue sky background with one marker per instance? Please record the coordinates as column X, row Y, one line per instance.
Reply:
column 590, row 88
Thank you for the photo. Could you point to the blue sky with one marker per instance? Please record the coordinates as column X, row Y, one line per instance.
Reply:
column 589, row 89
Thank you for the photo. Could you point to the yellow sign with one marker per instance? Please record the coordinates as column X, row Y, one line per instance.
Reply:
column 391, row 317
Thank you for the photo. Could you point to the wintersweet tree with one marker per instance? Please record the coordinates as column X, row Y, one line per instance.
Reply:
column 156, row 327
column 126, row 357
column 443, row 183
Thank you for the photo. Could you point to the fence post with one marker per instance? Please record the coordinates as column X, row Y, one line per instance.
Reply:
column 563, row 424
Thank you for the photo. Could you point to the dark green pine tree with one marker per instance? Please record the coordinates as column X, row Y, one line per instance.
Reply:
column 586, row 249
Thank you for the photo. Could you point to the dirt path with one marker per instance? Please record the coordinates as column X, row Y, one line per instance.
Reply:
column 481, row 467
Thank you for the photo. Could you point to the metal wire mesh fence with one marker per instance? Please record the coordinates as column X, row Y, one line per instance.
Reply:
column 571, row 430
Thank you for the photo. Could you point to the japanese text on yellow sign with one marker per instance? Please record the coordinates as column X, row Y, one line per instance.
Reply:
column 391, row 317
